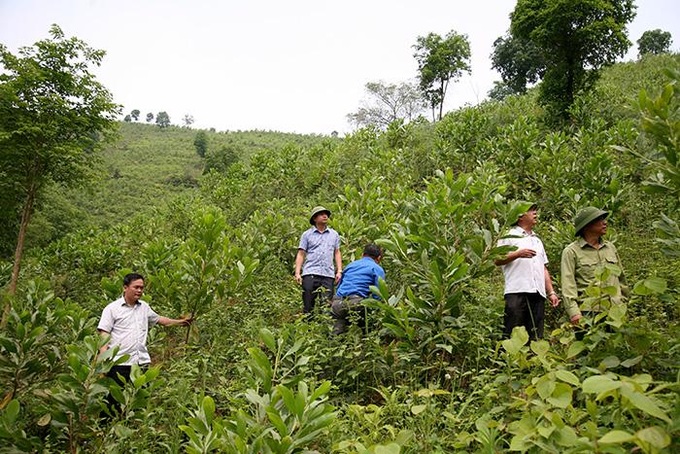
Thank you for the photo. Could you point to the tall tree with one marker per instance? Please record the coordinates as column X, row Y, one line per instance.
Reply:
column 388, row 102
column 163, row 119
column 519, row 61
column 149, row 117
column 188, row 120
column 576, row 38
column 440, row 61
column 201, row 143
column 53, row 113
column 135, row 114
column 654, row 42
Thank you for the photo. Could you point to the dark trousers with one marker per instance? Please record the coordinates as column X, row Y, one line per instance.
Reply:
column 121, row 375
column 342, row 307
column 524, row 309
column 315, row 288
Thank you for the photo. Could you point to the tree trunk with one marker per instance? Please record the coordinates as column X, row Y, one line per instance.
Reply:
column 18, row 253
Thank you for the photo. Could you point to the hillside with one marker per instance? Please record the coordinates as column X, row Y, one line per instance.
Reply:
column 146, row 167
column 432, row 371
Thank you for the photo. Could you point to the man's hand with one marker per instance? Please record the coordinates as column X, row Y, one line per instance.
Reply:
column 298, row 278
column 338, row 276
column 554, row 299
column 575, row 319
column 525, row 253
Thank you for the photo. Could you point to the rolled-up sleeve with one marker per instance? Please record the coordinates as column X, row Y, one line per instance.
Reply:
column 568, row 280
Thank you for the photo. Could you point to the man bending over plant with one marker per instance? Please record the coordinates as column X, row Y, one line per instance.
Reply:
column 355, row 287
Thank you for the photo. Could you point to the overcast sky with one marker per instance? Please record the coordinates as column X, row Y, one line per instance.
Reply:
column 282, row 65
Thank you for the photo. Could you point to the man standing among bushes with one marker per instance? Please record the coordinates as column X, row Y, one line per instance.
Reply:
column 527, row 279
column 319, row 248
column 583, row 259
column 355, row 286
column 126, row 322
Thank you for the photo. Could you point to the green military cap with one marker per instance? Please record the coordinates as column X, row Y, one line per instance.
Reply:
column 586, row 216
column 317, row 210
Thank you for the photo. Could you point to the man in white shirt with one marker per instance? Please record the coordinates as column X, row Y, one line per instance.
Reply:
column 527, row 280
column 126, row 322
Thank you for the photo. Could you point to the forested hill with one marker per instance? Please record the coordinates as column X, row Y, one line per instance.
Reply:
column 431, row 372
column 144, row 168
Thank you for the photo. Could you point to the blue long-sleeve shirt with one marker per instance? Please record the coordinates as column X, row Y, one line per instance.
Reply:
column 358, row 276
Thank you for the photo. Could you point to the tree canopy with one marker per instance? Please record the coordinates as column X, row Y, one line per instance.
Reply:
column 53, row 113
column 162, row 119
column 654, row 42
column 575, row 38
column 440, row 61
column 518, row 61
column 387, row 103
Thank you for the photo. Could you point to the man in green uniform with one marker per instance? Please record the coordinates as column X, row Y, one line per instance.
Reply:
column 584, row 259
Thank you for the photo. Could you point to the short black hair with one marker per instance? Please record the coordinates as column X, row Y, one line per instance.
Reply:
column 372, row 250
column 130, row 277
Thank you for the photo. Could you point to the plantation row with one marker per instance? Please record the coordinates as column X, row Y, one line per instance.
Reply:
column 432, row 373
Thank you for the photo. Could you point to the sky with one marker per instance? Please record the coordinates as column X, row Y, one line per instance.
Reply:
column 296, row 66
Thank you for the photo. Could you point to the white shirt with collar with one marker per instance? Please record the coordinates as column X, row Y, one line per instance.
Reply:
column 525, row 275
column 129, row 328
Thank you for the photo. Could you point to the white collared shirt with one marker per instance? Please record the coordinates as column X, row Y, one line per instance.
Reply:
column 129, row 327
column 525, row 275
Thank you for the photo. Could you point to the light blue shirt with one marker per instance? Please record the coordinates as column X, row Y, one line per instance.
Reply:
column 358, row 276
column 319, row 250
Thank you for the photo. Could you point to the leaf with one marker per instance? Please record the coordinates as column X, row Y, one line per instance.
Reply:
column 644, row 403
column 44, row 420
column 517, row 341
column 417, row 409
column 268, row 339
column 540, row 347
column 616, row 437
column 650, row 286
column 12, row 411
column 655, row 436
column 609, row 362
column 567, row 377
column 599, row 384
column 561, row 396
column 632, row 361
column 391, row 448
column 575, row 348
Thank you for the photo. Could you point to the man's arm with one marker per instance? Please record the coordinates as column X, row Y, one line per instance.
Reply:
column 338, row 265
column 299, row 260
column 165, row 321
column 514, row 255
column 569, row 289
column 552, row 295
column 105, row 335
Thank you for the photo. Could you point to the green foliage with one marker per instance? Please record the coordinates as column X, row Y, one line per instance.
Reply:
column 162, row 119
column 519, row 61
column 53, row 115
column 654, row 42
column 201, row 143
column 575, row 39
column 430, row 372
column 277, row 419
column 440, row 61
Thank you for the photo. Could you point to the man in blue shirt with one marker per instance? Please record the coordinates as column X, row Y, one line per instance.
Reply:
column 355, row 287
column 318, row 251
